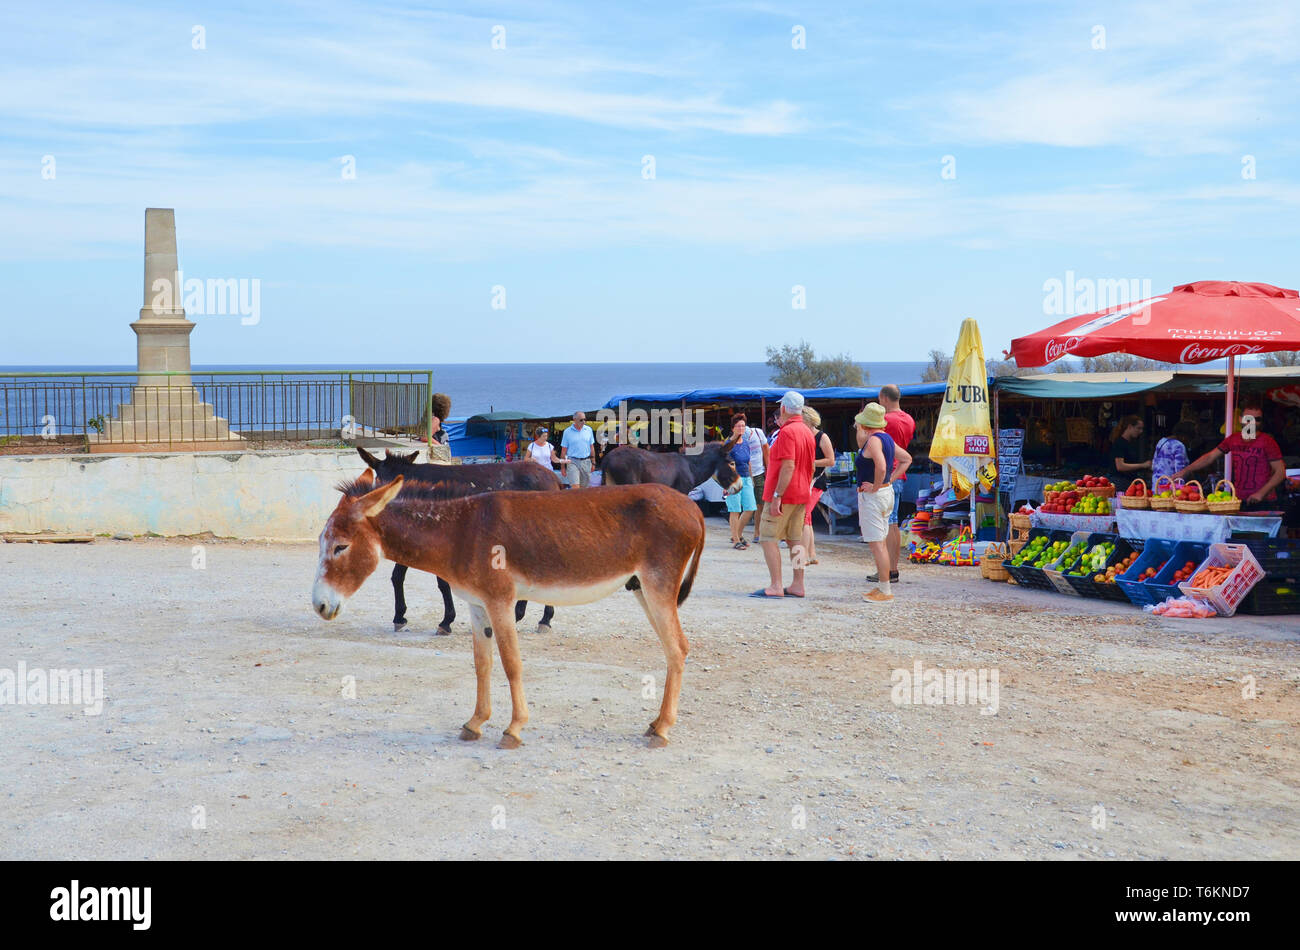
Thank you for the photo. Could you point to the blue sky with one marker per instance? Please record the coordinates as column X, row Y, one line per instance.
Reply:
column 522, row 168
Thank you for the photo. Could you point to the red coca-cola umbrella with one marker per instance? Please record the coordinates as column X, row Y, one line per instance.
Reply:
column 1193, row 323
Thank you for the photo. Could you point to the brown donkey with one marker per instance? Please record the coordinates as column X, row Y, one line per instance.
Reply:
column 560, row 548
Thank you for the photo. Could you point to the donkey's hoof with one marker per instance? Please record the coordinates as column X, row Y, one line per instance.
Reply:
column 544, row 628
column 443, row 631
column 509, row 742
column 657, row 741
column 469, row 735
column 399, row 626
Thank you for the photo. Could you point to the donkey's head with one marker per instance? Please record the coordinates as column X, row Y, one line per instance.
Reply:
column 349, row 544
column 723, row 469
column 391, row 465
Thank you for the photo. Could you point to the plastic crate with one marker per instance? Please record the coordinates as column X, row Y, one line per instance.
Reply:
column 1162, row 586
column 1087, row 587
column 1053, row 571
column 1227, row 596
column 1279, row 557
column 1273, row 595
column 1034, row 577
column 1138, row 592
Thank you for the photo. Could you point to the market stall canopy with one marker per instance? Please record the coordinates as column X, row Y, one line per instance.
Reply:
column 1118, row 385
column 1193, row 323
column 489, row 423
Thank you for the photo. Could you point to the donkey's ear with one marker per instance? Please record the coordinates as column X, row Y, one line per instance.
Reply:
column 376, row 501
column 367, row 457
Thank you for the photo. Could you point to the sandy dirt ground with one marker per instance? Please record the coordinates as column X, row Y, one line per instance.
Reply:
column 227, row 731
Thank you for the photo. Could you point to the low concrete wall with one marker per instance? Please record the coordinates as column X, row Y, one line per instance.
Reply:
column 279, row 495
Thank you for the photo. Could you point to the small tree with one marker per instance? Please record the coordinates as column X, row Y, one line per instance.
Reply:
column 1281, row 358
column 799, row 368
column 937, row 371
column 1121, row 363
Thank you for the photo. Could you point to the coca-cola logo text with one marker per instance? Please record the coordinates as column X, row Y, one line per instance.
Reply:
column 1195, row 353
column 1055, row 350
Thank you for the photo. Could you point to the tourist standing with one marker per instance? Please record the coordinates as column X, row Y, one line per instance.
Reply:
column 576, row 447
column 824, row 459
column 901, row 427
column 789, row 482
column 758, row 453
column 740, row 504
column 879, row 459
column 541, row 451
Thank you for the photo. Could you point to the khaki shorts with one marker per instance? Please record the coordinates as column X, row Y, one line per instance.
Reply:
column 874, row 509
column 788, row 527
column 578, row 473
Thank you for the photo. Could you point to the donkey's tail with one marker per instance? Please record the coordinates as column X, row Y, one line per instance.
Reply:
column 690, row 571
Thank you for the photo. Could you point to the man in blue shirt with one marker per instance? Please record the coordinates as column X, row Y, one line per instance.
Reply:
column 576, row 445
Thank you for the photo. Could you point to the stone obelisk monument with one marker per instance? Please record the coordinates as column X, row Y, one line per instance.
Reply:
column 162, row 332
column 165, row 410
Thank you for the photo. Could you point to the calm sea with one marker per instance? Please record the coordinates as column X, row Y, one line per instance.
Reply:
column 554, row 389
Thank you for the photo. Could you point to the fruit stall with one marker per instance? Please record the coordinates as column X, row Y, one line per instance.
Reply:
column 1175, row 551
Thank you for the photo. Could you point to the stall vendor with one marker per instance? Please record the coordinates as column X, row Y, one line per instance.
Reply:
column 1124, row 447
column 1257, row 466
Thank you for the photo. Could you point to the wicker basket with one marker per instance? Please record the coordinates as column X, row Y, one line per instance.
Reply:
column 1105, row 491
column 1020, row 525
column 1014, row 546
column 1162, row 504
column 1140, row 502
column 991, row 562
column 1225, row 507
column 1194, row 507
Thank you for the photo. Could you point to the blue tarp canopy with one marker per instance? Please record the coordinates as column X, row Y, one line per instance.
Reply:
column 772, row 394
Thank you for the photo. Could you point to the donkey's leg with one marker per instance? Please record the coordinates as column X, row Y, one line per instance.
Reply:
column 399, row 596
column 478, row 622
column 520, row 607
column 660, row 608
column 503, row 624
column 448, row 609
column 544, row 625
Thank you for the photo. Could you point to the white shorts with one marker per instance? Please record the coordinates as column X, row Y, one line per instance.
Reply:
column 874, row 509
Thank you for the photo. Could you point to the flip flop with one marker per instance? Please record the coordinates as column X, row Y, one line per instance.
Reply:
column 787, row 592
column 763, row 594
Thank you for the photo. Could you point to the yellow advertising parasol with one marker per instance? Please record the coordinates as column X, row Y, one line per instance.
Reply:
column 963, row 436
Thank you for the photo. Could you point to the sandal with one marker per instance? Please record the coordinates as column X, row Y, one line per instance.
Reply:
column 741, row 545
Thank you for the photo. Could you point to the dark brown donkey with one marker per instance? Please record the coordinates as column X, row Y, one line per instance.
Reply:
column 570, row 547
column 458, row 481
column 629, row 465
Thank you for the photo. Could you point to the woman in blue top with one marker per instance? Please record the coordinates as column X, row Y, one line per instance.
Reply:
column 741, row 504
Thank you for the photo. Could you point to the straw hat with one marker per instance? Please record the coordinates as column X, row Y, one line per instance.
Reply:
column 871, row 417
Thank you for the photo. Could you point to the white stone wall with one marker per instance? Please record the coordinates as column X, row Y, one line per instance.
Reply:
column 277, row 495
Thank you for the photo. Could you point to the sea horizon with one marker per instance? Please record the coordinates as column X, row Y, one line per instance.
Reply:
column 542, row 389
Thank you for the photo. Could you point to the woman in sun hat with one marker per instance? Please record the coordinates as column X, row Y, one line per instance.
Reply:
column 878, row 459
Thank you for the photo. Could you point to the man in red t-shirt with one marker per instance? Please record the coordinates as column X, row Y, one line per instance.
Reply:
column 786, row 494
column 1257, row 466
column 900, row 427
